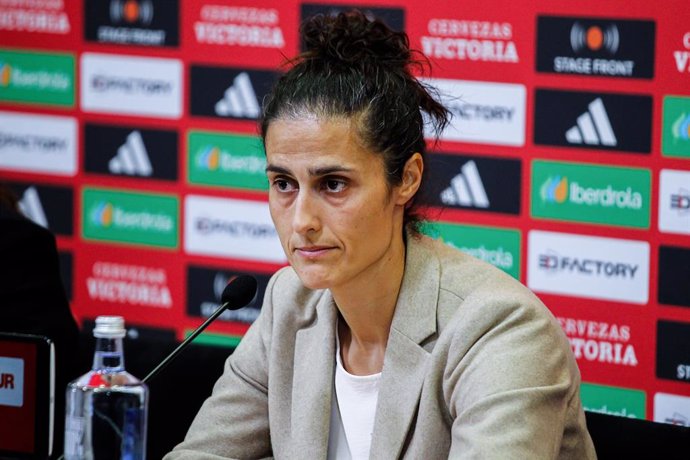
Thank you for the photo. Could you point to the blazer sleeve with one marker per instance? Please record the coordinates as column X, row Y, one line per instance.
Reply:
column 233, row 421
column 513, row 388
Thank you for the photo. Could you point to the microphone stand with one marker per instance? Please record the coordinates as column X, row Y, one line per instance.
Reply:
column 191, row 337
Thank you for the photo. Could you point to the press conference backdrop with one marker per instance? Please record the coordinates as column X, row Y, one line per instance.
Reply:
column 127, row 127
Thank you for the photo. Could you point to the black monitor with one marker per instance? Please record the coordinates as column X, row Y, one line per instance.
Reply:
column 27, row 392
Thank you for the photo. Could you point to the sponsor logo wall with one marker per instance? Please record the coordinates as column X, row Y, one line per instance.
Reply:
column 128, row 128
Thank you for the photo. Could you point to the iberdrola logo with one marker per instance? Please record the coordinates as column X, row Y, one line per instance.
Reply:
column 5, row 73
column 208, row 158
column 681, row 127
column 555, row 189
column 102, row 214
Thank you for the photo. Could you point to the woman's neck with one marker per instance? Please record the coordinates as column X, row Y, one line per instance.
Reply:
column 366, row 309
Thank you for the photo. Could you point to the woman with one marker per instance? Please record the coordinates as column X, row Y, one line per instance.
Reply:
column 377, row 342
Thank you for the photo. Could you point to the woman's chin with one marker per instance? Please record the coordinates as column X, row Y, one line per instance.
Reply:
column 312, row 280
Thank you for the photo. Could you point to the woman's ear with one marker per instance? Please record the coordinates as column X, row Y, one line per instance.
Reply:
column 411, row 179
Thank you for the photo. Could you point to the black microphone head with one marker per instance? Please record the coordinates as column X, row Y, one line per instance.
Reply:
column 239, row 292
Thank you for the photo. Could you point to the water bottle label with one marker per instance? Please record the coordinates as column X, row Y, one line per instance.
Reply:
column 74, row 436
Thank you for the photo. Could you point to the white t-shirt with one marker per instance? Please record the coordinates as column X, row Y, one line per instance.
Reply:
column 352, row 413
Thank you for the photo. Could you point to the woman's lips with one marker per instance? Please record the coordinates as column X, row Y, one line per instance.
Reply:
column 313, row 252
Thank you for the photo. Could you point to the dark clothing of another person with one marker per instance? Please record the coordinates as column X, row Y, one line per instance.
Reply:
column 33, row 300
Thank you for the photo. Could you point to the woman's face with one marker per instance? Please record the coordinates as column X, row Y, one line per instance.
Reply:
column 338, row 220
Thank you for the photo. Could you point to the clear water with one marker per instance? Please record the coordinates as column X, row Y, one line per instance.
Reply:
column 106, row 417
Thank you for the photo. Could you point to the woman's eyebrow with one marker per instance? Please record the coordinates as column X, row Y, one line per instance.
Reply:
column 320, row 171
column 277, row 169
column 326, row 170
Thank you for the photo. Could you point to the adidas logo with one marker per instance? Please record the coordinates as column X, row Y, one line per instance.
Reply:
column 466, row 189
column 239, row 99
column 131, row 157
column 593, row 127
column 30, row 206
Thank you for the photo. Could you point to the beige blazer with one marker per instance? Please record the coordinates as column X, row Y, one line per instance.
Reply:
column 475, row 367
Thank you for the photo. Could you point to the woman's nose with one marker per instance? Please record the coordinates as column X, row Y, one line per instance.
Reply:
column 306, row 218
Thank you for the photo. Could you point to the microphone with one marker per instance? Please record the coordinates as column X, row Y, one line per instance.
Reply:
column 238, row 293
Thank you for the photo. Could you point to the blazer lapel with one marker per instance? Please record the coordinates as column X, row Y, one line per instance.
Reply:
column 312, row 384
column 405, row 362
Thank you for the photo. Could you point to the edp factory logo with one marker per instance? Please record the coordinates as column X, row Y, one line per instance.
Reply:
column 224, row 227
column 38, row 143
column 673, row 409
column 674, row 201
column 483, row 112
column 594, row 46
column 131, row 85
column 132, row 22
column 584, row 266
column 224, row 92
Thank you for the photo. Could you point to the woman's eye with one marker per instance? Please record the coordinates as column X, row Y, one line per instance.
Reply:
column 334, row 185
column 282, row 185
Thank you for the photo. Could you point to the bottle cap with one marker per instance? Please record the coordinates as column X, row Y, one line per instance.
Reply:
column 109, row 327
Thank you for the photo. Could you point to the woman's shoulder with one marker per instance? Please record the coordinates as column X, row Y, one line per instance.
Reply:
column 476, row 289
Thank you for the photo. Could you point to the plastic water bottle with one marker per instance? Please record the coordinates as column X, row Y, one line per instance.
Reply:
column 106, row 408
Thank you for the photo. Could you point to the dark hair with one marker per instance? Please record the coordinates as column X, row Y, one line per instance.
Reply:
column 356, row 67
column 8, row 199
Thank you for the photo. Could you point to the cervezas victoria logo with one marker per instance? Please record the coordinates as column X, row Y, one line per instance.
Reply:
column 31, row 16
column 133, row 22
column 681, row 57
column 595, row 46
column 470, row 40
column 227, row 25
column 600, row 341
column 128, row 284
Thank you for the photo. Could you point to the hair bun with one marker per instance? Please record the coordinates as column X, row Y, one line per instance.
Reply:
column 352, row 38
